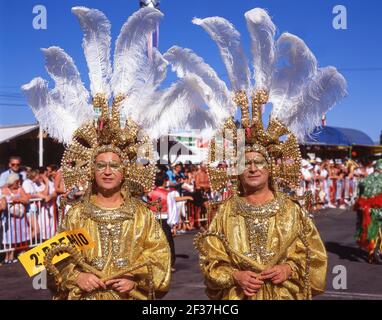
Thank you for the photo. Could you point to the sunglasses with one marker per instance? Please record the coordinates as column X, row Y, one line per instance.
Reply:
column 102, row 165
column 258, row 162
column 15, row 164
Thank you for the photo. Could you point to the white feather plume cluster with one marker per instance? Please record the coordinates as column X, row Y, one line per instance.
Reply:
column 66, row 107
column 300, row 92
column 262, row 32
column 228, row 40
column 49, row 107
column 132, row 64
column 137, row 73
column 96, row 44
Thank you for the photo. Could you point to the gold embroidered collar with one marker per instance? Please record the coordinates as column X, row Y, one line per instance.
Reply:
column 109, row 215
column 266, row 210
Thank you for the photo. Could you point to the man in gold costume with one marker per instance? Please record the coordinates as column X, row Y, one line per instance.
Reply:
column 107, row 157
column 126, row 234
column 262, row 244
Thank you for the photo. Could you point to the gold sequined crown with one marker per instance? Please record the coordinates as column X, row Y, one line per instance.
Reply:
column 107, row 135
column 283, row 155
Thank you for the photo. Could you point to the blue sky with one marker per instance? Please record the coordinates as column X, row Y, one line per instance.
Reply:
column 357, row 51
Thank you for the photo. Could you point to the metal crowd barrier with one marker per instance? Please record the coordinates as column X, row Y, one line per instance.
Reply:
column 197, row 215
column 338, row 191
column 26, row 226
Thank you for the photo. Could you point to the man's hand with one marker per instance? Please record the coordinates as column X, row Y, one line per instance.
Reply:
column 123, row 284
column 89, row 282
column 277, row 274
column 249, row 282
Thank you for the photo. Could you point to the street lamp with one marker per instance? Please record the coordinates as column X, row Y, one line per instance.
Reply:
column 149, row 3
column 154, row 38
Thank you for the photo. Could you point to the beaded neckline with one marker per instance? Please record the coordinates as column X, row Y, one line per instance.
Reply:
column 267, row 209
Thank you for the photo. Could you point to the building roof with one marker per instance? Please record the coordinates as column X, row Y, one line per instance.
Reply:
column 10, row 132
column 339, row 136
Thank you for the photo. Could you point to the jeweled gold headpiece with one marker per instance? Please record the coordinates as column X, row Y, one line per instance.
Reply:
column 282, row 156
column 88, row 129
column 107, row 135
column 285, row 73
column 83, row 121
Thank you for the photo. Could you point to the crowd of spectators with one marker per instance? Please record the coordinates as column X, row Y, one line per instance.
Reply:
column 334, row 183
column 29, row 197
column 28, row 206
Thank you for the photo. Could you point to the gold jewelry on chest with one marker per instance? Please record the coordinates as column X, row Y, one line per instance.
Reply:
column 257, row 221
column 109, row 223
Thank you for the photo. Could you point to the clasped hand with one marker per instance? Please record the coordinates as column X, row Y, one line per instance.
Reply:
column 251, row 282
column 89, row 282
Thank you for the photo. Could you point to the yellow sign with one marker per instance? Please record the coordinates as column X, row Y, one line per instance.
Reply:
column 32, row 260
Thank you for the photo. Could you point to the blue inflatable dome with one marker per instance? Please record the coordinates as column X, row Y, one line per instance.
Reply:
column 339, row 136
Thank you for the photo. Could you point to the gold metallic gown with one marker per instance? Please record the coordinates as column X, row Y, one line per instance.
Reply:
column 247, row 237
column 124, row 236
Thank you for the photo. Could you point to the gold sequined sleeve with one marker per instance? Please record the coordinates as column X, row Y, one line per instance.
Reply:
column 307, row 258
column 155, row 250
column 68, row 271
column 215, row 262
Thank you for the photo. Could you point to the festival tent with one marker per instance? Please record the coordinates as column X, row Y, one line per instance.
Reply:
column 26, row 140
column 327, row 141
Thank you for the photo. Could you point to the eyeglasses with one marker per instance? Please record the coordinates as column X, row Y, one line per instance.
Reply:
column 260, row 163
column 114, row 166
column 15, row 164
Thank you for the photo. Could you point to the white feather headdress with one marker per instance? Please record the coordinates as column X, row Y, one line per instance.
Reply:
column 285, row 73
column 136, row 74
column 286, row 69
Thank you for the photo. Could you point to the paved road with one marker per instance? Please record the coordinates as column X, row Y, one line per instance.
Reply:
column 363, row 281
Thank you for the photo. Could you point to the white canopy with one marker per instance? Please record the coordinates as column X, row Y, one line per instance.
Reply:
column 10, row 132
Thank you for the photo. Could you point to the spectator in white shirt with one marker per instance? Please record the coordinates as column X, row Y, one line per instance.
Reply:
column 14, row 167
column 36, row 193
column 14, row 223
column 48, row 217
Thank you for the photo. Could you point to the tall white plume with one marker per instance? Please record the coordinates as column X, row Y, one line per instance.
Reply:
column 69, row 89
column 131, row 59
column 295, row 65
column 217, row 96
column 140, row 97
column 262, row 32
column 228, row 41
column 323, row 91
column 52, row 116
column 96, row 45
